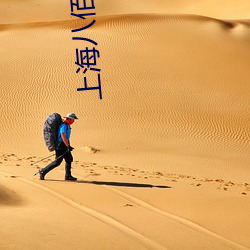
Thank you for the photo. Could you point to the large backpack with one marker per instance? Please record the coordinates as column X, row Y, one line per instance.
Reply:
column 50, row 130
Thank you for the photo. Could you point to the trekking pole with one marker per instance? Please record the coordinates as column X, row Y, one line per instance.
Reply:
column 41, row 159
column 48, row 157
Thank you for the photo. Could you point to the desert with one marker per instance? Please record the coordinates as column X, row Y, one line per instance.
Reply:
column 162, row 160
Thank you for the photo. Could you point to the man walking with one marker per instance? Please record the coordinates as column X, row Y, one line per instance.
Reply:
column 63, row 150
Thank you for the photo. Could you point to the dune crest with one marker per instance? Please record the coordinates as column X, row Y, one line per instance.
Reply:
column 109, row 20
column 37, row 11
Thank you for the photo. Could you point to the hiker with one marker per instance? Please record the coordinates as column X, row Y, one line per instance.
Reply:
column 63, row 149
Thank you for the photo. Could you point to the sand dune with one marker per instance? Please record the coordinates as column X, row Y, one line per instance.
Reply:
column 162, row 160
column 199, row 110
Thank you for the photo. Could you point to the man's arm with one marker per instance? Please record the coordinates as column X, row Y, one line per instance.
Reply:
column 66, row 142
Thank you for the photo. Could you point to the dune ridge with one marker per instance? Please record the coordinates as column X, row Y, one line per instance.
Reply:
column 135, row 17
column 57, row 10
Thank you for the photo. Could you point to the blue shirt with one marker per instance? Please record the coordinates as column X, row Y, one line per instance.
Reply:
column 64, row 128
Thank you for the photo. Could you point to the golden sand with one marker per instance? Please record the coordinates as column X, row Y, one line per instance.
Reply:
column 162, row 160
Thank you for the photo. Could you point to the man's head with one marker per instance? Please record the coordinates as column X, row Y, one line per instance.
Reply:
column 70, row 118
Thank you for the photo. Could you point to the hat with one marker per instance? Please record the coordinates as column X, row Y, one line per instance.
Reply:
column 71, row 116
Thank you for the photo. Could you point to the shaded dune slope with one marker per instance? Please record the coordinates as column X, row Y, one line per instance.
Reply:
column 9, row 197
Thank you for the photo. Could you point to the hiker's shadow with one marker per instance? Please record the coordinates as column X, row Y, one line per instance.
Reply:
column 122, row 184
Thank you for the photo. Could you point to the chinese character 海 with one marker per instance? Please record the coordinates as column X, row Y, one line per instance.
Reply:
column 86, row 57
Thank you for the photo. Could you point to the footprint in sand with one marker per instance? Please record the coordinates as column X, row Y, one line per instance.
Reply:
column 128, row 205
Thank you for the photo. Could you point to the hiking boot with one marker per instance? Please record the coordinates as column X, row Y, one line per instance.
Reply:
column 41, row 175
column 70, row 178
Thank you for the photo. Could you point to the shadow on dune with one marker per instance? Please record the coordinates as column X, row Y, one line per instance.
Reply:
column 122, row 184
column 117, row 184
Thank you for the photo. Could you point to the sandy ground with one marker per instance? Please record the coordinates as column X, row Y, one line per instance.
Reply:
column 162, row 160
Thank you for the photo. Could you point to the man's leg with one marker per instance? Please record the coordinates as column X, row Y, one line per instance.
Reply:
column 52, row 165
column 68, row 160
